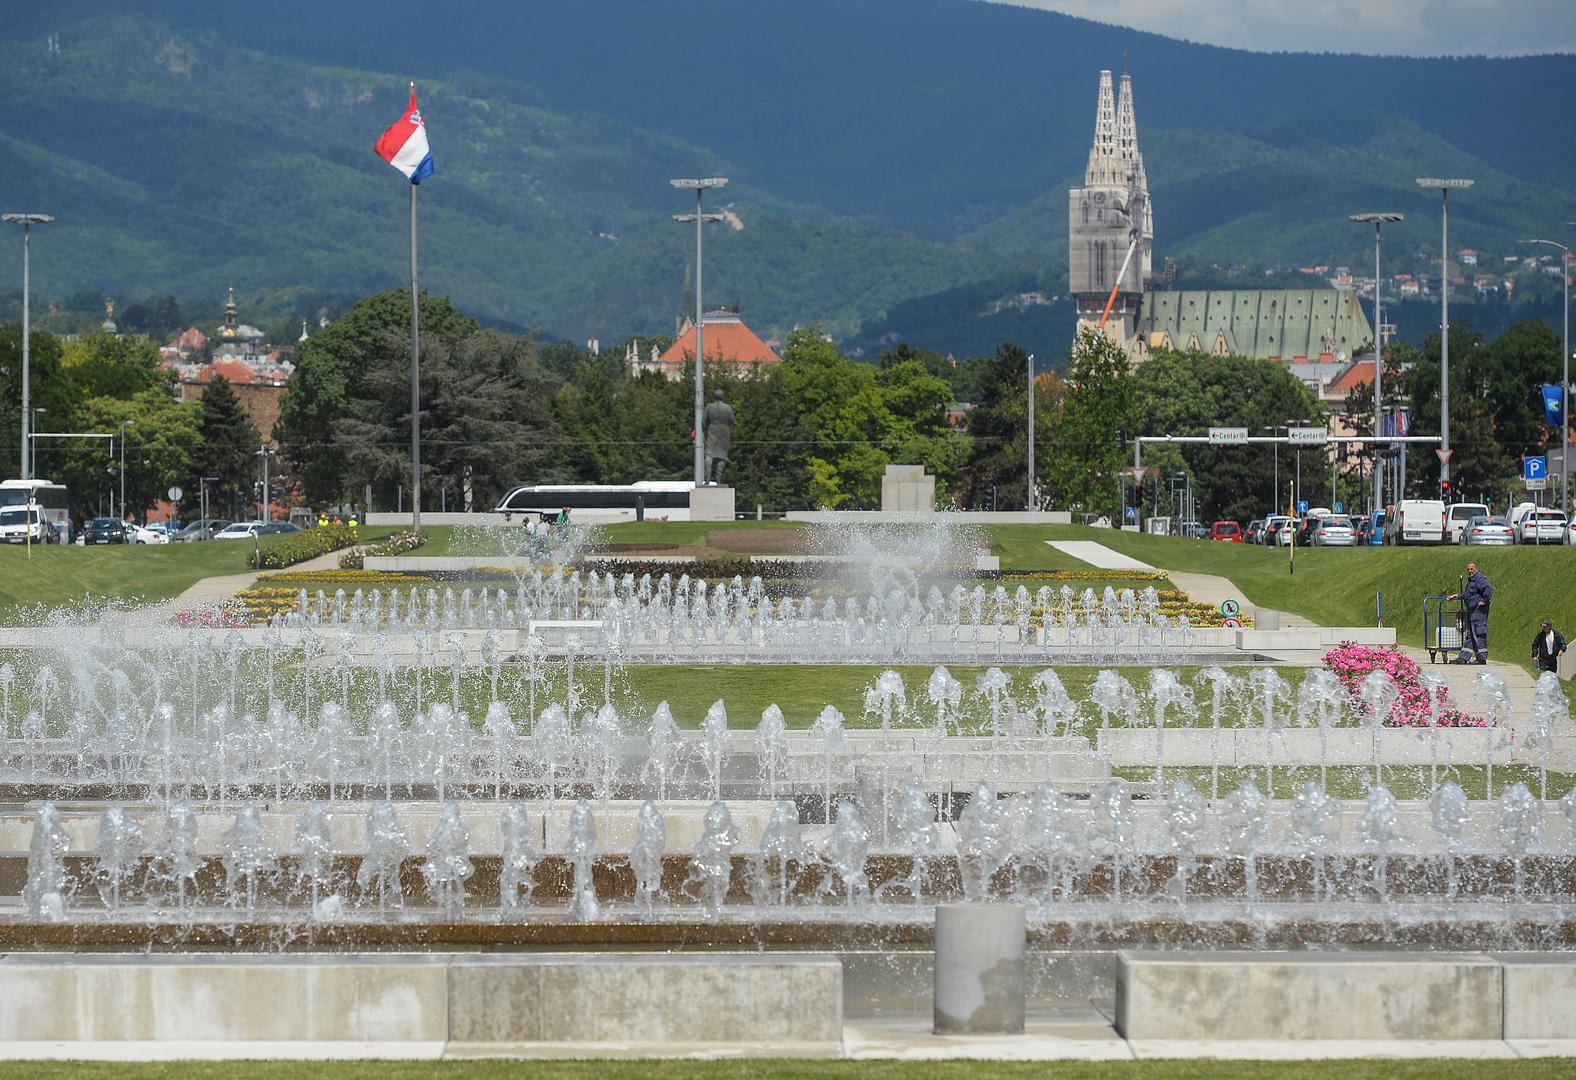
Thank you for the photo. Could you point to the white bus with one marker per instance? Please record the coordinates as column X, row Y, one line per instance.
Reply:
column 50, row 499
column 601, row 503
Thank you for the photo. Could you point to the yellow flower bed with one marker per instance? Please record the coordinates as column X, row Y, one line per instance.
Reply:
column 346, row 579
column 1083, row 575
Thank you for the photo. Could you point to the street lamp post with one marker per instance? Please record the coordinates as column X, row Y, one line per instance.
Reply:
column 265, row 452
column 1379, row 220
column 202, row 497
column 27, row 221
column 1275, row 491
column 1444, row 187
column 700, row 219
column 1297, row 488
column 124, row 424
column 1565, row 378
column 1030, row 501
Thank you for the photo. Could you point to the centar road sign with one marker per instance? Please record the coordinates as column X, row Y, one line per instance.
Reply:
column 1222, row 436
column 1534, row 468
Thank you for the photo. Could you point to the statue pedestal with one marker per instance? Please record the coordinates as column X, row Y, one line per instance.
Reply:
column 711, row 503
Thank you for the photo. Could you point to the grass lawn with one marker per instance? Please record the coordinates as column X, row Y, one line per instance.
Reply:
column 1337, row 586
column 788, row 1069
column 64, row 574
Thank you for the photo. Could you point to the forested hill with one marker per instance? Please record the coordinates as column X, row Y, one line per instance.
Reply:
column 880, row 150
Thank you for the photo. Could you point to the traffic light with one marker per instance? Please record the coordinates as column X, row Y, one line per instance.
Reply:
column 1444, row 490
column 1121, row 440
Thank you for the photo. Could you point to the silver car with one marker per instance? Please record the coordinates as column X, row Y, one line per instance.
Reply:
column 1541, row 527
column 1334, row 530
column 1487, row 531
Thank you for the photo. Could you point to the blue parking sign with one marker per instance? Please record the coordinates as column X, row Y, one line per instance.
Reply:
column 1534, row 468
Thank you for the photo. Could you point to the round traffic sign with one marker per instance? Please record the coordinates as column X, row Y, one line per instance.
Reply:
column 1230, row 608
column 1231, row 624
column 175, row 493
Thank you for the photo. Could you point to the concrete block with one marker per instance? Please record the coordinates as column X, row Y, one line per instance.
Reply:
column 979, row 969
column 639, row 998
column 711, row 503
column 223, row 998
column 1540, row 995
column 1242, row 995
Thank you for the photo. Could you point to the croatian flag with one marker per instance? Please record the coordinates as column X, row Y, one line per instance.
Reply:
column 404, row 144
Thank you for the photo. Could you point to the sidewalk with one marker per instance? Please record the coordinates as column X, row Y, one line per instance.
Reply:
column 216, row 590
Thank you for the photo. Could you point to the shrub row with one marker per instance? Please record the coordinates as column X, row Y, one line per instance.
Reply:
column 398, row 544
column 299, row 547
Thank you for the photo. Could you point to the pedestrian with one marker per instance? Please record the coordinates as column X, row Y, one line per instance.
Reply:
column 1477, row 597
column 1548, row 645
column 322, row 521
column 563, row 517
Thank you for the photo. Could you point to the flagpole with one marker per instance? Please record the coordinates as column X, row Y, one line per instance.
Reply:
column 415, row 373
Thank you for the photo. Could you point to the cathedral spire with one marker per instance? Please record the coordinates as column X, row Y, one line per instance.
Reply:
column 1104, row 158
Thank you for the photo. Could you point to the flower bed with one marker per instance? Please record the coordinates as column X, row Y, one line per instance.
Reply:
column 398, row 544
column 299, row 547
column 1352, row 663
column 1083, row 575
column 220, row 618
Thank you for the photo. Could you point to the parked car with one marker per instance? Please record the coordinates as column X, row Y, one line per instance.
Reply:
column 1308, row 523
column 138, row 534
column 239, row 530
column 1542, row 527
column 1228, row 531
column 274, row 528
column 1416, row 521
column 25, row 525
column 1487, row 530
column 105, row 530
column 200, row 529
column 1334, row 530
column 1459, row 515
column 1278, row 530
column 1254, row 533
column 1375, row 533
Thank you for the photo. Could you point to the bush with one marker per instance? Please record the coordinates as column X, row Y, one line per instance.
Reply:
column 1352, row 663
column 299, row 547
column 398, row 544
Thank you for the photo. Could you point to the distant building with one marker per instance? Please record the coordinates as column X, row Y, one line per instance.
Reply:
column 257, row 372
column 1467, row 257
column 1110, row 223
column 1110, row 215
column 729, row 344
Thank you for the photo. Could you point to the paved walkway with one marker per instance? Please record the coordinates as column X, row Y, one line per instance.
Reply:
column 1098, row 555
column 216, row 590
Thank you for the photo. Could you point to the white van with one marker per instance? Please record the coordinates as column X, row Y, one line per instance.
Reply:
column 1457, row 517
column 1416, row 521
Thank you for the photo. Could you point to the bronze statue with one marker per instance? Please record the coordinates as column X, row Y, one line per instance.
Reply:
column 718, row 432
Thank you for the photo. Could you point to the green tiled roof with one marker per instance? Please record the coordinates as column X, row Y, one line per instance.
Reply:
column 1281, row 323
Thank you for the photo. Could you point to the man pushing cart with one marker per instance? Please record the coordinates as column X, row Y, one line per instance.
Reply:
column 1475, row 598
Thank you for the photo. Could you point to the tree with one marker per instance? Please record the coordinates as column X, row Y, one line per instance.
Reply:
column 1478, row 464
column 1082, row 472
column 161, row 444
column 228, row 443
column 102, row 364
column 49, row 391
column 331, row 373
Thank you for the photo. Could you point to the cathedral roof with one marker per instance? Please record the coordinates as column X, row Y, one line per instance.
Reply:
column 1293, row 325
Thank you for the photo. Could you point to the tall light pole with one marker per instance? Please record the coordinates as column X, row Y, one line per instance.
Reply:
column 1445, row 187
column 1565, row 377
column 27, row 221
column 1275, row 491
column 700, row 219
column 202, row 487
column 1379, row 220
column 124, row 424
column 1297, row 487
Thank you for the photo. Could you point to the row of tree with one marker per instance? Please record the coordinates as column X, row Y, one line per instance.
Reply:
column 817, row 429
column 103, row 384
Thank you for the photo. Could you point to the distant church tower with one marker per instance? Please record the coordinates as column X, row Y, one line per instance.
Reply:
column 1106, row 215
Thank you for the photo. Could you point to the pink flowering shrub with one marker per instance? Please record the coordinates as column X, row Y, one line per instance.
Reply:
column 1352, row 663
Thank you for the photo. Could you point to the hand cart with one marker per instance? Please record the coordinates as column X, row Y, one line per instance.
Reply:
column 1444, row 627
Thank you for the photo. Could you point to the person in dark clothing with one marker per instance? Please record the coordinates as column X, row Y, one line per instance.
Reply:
column 1477, row 597
column 1548, row 645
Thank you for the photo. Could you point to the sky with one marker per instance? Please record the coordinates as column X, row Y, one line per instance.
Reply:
column 1389, row 27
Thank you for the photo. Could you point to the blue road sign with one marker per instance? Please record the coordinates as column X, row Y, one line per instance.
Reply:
column 1132, row 513
column 1534, row 468
column 1340, row 508
column 1302, row 506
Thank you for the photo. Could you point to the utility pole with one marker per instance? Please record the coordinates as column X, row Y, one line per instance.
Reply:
column 1030, row 502
column 27, row 221
column 124, row 424
column 1379, row 220
column 1444, row 188
column 700, row 218
column 265, row 452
